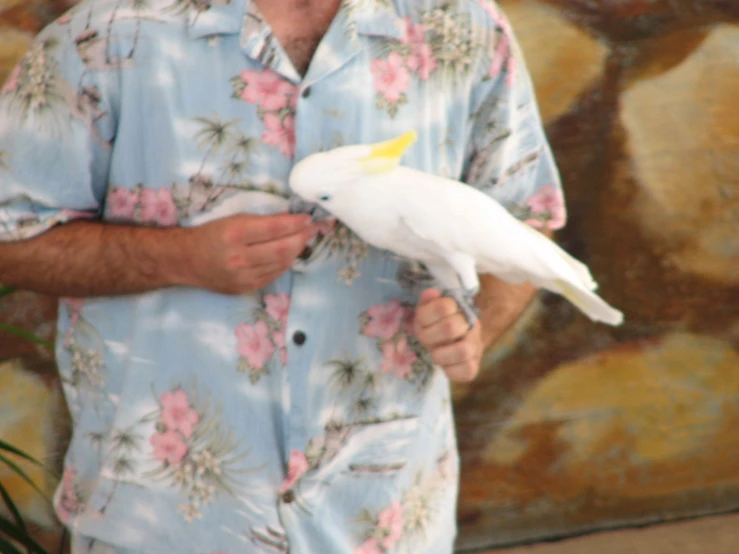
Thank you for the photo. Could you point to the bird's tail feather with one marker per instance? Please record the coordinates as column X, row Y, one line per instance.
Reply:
column 589, row 303
column 581, row 270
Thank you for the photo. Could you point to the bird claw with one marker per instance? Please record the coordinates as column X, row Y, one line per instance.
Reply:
column 466, row 301
column 299, row 206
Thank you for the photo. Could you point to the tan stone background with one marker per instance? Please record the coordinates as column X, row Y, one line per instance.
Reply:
column 572, row 426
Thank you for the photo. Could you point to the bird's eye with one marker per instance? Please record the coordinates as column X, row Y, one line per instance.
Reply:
column 325, row 198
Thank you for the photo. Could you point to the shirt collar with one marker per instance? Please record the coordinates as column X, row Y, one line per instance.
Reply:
column 222, row 17
column 374, row 18
column 226, row 17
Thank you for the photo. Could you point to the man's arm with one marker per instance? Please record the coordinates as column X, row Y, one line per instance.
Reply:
column 233, row 255
column 92, row 259
column 443, row 329
column 501, row 303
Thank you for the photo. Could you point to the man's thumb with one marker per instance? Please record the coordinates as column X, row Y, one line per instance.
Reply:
column 428, row 295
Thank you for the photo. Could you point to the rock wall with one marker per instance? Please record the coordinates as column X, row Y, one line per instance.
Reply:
column 572, row 426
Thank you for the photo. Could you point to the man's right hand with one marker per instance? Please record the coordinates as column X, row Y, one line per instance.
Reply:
column 243, row 253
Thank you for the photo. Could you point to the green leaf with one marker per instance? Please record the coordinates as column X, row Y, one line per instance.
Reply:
column 12, row 449
column 7, row 547
column 12, row 508
column 15, row 467
column 20, row 536
column 17, row 331
column 6, row 290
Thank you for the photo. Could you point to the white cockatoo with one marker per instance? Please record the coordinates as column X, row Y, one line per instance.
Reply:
column 455, row 230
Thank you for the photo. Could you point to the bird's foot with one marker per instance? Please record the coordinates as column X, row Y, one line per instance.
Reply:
column 300, row 206
column 466, row 301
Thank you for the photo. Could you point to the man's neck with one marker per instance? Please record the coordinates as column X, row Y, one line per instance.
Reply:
column 299, row 26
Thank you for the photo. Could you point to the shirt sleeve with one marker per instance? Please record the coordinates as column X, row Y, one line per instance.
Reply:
column 508, row 155
column 55, row 136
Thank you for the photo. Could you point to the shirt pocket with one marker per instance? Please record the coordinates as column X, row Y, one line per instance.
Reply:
column 364, row 451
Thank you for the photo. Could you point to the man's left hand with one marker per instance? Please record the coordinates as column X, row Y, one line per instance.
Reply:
column 442, row 328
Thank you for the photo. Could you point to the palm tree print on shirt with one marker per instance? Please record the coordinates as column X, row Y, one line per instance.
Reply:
column 204, row 190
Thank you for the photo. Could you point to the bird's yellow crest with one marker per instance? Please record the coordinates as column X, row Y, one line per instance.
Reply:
column 385, row 156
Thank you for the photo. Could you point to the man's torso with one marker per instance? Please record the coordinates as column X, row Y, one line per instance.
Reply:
column 202, row 422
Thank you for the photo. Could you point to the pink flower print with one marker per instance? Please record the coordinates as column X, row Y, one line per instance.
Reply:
column 250, row 93
column 177, row 415
column 122, row 203
column 169, row 447
column 75, row 307
column 166, row 209
column 149, row 205
column 370, row 546
column 296, row 466
column 414, row 34
column 67, row 504
column 391, row 521
column 267, row 89
column 280, row 132
column 511, row 70
column 391, row 78
column 11, row 83
column 488, row 7
column 421, row 61
column 278, row 337
column 292, row 101
column 278, row 306
column 385, row 320
column 496, row 15
column 503, row 50
column 66, row 18
column 500, row 56
column 548, row 201
column 275, row 92
column 409, row 317
column 398, row 358
column 157, row 206
column 254, row 343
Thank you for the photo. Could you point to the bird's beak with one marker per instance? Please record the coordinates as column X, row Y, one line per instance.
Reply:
column 385, row 156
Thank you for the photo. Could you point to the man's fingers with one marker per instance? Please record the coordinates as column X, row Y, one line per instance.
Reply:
column 427, row 296
column 282, row 250
column 255, row 229
column 463, row 372
column 443, row 331
column 276, row 269
column 456, row 353
column 434, row 310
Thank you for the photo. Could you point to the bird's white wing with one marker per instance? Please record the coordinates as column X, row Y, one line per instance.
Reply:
column 458, row 218
column 461, row 219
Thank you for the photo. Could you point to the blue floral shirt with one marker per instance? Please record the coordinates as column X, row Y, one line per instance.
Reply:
column 305, row 417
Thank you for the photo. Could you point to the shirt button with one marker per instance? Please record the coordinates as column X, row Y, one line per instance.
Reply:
column 299, row 337
column 306, row 92
column 288, row 496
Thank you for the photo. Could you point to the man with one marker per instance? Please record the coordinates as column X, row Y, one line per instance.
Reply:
column 241, row 379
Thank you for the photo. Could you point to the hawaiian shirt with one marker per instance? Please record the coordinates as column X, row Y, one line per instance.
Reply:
column 305, row 417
